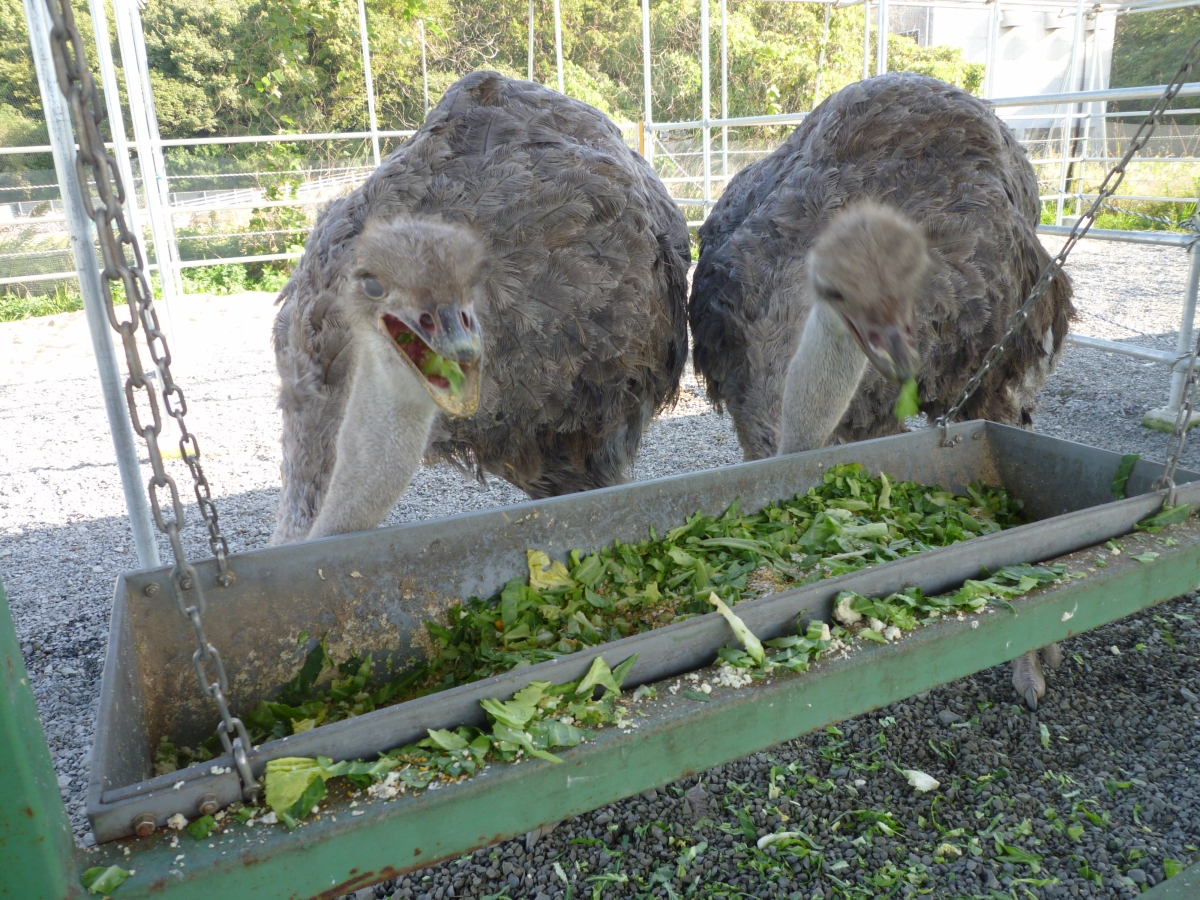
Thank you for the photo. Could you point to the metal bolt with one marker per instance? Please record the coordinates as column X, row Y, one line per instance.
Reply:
column 976, row 435
column 186, row 584
column 151, row 590
column 958, row 439
column 208, row 804
column 144, row 824
column 227, row 579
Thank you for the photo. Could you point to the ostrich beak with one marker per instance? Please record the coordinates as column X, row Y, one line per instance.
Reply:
column 444, row 348
column 891, row 348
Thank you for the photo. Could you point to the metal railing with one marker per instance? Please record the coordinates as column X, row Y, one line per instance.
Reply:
column 161, row 206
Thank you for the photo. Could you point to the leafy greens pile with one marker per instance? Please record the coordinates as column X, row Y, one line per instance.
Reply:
column 848, row 522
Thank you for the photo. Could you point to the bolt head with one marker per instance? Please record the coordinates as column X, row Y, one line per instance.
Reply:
column 208, row 804
column 186, row 584
column 152, row 589
column 143, row 824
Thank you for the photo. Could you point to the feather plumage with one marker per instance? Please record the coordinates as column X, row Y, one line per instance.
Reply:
column 943, row 159
column 584, row 321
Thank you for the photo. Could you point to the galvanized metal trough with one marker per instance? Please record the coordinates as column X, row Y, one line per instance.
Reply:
column 372, row 591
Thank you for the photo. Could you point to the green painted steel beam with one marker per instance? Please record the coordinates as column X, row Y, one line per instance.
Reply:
column 342, row 850
column 1184, row 886
column 37, row 852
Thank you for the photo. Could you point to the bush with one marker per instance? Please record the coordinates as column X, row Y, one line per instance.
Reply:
column 14, row 307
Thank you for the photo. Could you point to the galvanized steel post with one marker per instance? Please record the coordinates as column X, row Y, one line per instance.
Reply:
column 881, row 39
column 116, row 120
column 866, row 39
column 79, row 227
column 530, row 72
column 705, row 101
column 150, row 145
column 370, row 82
column 647, row 116
column 558, row 44
column 1068, row 125
column 725, row 91
column 424, row 68
column 993, row 39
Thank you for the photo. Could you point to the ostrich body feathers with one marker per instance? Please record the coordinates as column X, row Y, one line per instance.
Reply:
column 584, row 318
column 943, row 159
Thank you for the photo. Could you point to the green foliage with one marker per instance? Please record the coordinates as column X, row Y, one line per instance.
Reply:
column 14, row 307
column 1148, row 48
column 945, row 63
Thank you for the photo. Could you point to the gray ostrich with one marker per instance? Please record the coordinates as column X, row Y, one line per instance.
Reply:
column 507, row 292
column 891, row 236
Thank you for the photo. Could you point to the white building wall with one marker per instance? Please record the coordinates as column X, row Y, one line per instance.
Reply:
column 1033, row 51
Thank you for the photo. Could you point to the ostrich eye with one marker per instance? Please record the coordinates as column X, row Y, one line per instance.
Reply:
column 833, row 295
column 373, row 288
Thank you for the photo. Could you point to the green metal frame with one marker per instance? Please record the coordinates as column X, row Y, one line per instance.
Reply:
column 340, row 852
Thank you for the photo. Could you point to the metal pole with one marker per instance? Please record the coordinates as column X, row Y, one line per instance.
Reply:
column 531, row 40
column 116, row 119
column 366, row 55
column 647, row 115
column 705, row 103
column 725, row 89
column 79, row 227
column 993, row 39
column 558, row 44
column 881, row 39
column 150, row 158
column 866, row 40
column 821, row 55
column 424, row 70
column 1067, row 120
column 1184, row 345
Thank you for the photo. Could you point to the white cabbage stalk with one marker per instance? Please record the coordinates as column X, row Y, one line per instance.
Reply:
column 752, row 644
column 920, row 781
column 768, row 839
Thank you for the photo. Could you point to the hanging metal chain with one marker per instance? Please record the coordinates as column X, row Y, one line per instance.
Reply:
column 1107, row 188
column 118, row 246
column 1183, row 418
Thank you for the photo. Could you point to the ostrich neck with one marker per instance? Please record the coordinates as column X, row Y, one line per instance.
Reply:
column 380, row 442
column 821, row 380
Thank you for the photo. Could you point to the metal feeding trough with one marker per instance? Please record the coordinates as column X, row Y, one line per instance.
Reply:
column 372, row 591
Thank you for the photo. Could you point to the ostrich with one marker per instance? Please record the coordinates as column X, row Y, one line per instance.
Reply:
column 891, row 236
column 507, row 292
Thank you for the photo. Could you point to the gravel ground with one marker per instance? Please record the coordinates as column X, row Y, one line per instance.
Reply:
column 1122, row 728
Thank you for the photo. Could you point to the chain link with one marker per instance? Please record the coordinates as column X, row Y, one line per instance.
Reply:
column 1183, row 418
column 1107, row 188
column 118, row 246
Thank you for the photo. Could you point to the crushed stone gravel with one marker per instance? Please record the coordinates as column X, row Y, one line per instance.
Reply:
column 1118, row 772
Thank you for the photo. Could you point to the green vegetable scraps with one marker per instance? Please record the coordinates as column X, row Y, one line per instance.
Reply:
column 103, row 880
column 908, row 403
column 430, row 363
column 434, row 366
column 848, row 522
column 1124, row 468
column 540, row 717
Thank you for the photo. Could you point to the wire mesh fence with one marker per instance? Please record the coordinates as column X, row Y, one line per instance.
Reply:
column 241, row 203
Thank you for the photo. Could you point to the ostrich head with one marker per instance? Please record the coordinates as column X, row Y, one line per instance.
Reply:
column 415, row 282
column 865, row 275
column 869, row 266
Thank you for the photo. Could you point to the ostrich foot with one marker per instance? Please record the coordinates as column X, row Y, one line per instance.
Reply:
column 532, row 837
column 1052, row 656
column 1028, row 679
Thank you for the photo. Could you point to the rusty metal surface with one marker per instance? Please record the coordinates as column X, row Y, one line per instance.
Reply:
column 371, row 592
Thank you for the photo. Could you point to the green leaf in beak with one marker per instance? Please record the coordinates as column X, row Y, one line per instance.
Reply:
column 907, row 404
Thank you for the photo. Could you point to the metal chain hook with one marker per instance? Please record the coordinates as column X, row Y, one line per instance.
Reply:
column 1107, row 188
column 124, row 262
